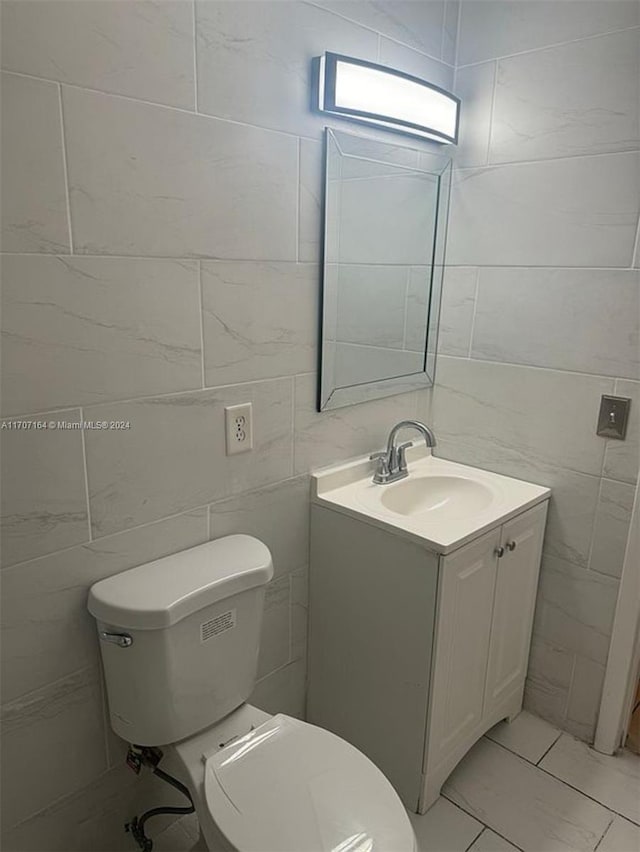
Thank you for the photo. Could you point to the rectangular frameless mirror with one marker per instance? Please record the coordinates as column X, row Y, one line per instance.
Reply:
column 384, row 239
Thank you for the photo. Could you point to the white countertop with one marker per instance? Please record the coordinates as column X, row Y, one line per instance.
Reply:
column 443, row 527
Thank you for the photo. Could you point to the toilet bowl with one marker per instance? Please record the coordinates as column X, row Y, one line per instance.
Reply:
column 282, row 785
column 179, row 639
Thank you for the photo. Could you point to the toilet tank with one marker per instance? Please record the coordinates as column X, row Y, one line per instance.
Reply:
column 180, row 636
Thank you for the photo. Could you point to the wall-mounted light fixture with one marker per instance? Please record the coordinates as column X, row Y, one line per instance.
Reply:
column 384, row 97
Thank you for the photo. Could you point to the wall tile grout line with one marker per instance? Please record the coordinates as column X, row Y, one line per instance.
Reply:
column 476, row 293
column 65, row 170
column 86, row 476
column 574, row 666
column 195, row 53
column 195, row 257
column 292, row 461
column 494, row 89
column 274, row 671
column 636, row 246
column 30, row 696
column 406, row 311
column 503, row 164
column 549, row 46
column 67, row 796
column 523, row 366
column 202, row 353
column 174, row 257
column 551, row 555
column 76, row 791
column 601, row 573
column 184, row 512
column 370, row 29
column 298, row 204
column 625, row 269
column 105, row 716
column 148, row 397
column 290, row 619
column 22, row 415
column 104, row 538
column 592, row 533
column 171, row 107
column 457, row 44
column 103, row 92
column 252, row 491
column 296, row 135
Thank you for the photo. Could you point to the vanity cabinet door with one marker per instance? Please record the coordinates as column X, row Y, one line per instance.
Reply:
column 467, row 580
column 516, row 585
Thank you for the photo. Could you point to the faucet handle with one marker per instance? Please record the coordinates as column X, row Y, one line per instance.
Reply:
column 382, row 473
column 402, row 456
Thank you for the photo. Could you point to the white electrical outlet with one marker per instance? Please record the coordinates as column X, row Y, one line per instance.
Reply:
column 238, row 420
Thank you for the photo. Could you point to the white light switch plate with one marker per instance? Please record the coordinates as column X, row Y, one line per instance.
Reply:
column 238, row 420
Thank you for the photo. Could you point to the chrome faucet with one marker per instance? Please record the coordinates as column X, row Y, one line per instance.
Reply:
column 392, row 463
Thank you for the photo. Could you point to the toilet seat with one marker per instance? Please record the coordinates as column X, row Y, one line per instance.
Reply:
column 289, row 786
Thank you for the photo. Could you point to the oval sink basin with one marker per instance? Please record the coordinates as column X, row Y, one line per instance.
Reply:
column 419, row 494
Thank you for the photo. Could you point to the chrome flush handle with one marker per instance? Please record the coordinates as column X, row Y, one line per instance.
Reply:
column 122, row 640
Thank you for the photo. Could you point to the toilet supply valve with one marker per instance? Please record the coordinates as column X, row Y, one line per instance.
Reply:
column 139, row 756
column 134, row 759
column 136, row 829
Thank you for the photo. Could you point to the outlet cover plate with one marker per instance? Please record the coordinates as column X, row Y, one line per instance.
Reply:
column 238, row 421
column 613, row 417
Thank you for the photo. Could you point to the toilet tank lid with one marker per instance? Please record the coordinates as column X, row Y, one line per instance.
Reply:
column 160, row 593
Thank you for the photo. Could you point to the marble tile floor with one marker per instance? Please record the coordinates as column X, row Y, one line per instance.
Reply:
column 524, row 786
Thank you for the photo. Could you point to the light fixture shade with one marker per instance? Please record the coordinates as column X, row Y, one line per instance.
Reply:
column 384, row 97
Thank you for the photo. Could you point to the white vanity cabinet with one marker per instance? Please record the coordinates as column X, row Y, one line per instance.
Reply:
column 484, row 616
column 413, row 654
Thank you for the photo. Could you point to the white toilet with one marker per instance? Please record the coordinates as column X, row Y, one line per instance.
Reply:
column 179, row 640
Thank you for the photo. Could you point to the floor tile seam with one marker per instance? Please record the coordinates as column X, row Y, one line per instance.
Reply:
column 484, row 824
column 539, row 761
column 520, row 756
column 591, row 798
column 524, row 760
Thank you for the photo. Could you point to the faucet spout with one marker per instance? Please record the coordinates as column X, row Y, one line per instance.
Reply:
column 392, row 464
column 429, row 437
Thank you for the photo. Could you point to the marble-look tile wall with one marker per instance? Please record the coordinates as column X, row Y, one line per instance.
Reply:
column 162, row 176
column 541, row 304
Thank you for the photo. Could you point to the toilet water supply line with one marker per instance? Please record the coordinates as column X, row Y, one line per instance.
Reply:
column 137, row 757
